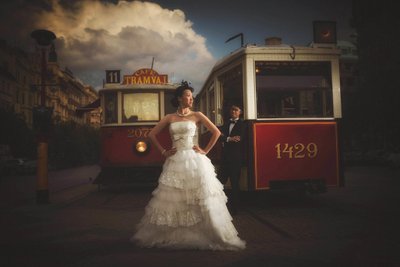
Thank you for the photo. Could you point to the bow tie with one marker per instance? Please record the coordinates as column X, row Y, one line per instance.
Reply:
column 233, row 121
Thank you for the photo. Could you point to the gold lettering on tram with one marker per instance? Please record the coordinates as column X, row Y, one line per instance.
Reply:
column 144, row 80
column 145, row 76
column 138, row 132
column 296, row 151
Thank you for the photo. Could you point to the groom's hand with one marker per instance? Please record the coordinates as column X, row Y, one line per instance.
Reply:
column 235, row 138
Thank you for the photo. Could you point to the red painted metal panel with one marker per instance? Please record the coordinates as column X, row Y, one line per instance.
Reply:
column 118, row 146
column 295, row 151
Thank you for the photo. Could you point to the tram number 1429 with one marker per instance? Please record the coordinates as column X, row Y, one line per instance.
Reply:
column 296, row 151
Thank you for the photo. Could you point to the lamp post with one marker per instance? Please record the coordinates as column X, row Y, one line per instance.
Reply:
column 42, row 119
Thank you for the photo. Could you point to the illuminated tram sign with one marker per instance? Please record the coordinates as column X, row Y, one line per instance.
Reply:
column 145, row 76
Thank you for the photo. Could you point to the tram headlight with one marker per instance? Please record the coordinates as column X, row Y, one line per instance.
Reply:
column 141, row 146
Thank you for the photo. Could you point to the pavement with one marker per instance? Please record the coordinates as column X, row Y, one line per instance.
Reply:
column 19, row 189
column 356, row 225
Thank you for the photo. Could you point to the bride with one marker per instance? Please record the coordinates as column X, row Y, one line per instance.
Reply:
column 188, row 208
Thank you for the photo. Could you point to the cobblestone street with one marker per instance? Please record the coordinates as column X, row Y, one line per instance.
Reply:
column 352, row 226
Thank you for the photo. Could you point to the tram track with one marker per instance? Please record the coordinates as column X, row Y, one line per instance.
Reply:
column 268, row 224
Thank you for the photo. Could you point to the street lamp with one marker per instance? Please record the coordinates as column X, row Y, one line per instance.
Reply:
column 42, row 119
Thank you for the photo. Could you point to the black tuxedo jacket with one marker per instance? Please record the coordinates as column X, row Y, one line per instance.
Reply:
column 232, row 152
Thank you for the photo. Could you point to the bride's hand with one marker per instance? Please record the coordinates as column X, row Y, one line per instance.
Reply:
column 169, row 152
column 199, row 150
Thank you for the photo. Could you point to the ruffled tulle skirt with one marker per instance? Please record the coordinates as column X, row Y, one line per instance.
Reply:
column 188, row 208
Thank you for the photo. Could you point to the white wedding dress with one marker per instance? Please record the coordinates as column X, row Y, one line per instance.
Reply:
column 188, row 208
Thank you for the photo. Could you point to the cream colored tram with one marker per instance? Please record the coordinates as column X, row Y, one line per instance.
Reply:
column 292, row 110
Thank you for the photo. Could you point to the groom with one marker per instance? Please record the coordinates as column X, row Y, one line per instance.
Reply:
column 232, row 150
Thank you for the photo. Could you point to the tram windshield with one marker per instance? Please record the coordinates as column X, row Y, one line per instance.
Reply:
column 140, row 107
column 293, row 89
column 137, row 106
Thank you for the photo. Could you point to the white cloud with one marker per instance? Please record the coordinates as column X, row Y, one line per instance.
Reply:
column 93, row 36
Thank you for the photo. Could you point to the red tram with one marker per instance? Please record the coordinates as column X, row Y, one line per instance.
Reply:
column 130, row 108
column 292, row 108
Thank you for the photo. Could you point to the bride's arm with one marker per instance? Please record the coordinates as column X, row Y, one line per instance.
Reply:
column 164, row 122
column 215, row 133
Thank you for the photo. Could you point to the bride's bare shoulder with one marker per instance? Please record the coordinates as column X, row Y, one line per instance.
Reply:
column 198, row 113
column 168, row 118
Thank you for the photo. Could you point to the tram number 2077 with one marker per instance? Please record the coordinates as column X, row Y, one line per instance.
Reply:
column 139, row 132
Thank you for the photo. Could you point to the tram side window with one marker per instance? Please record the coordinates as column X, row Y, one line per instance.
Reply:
column 231, row 83
column 169, row 108
column 140, row 107
column 293, row 89
column 211, row 101
column 203, row 108
column 110, row 104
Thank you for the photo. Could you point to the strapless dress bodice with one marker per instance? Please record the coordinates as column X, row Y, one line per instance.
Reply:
column 183, row 134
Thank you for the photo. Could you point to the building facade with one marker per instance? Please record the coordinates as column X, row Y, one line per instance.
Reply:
column 21, row 85
column 348, row 67
column 349, row 76
column 18, row 79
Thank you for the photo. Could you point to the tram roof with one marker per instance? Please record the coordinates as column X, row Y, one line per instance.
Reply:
column 279, row 49
column 123, row 87
column 283, row 49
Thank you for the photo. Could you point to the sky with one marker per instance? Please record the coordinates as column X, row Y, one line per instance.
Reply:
column 185, row 37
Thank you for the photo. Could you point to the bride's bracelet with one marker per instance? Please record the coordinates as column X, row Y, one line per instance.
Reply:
column 163, row 152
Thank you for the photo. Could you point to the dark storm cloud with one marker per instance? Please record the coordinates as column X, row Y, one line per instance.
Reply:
column 96, row 35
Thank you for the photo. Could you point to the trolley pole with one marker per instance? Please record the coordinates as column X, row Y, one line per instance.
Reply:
column 42, row 120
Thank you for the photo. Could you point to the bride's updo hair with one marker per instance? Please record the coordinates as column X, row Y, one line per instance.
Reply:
column 179, row 92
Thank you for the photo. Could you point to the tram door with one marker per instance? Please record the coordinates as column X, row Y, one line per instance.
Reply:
column 231, row 90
